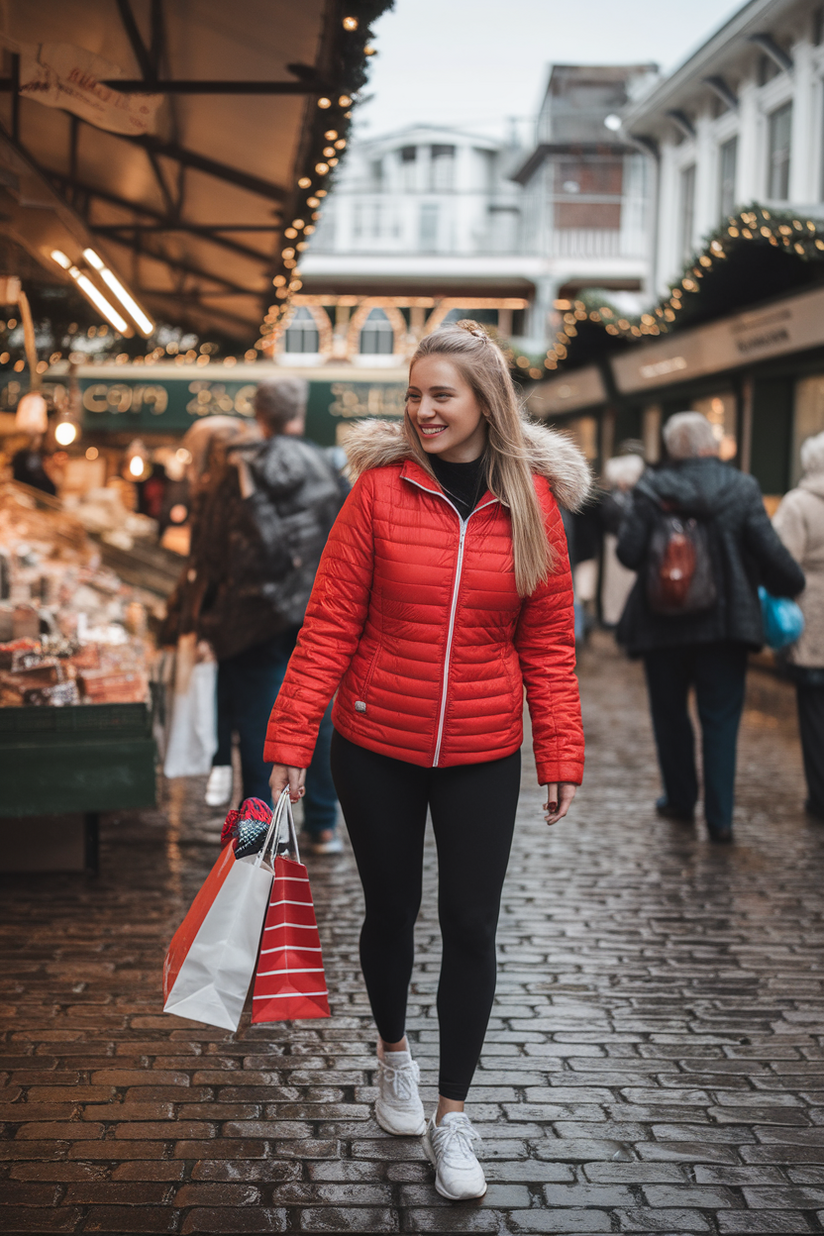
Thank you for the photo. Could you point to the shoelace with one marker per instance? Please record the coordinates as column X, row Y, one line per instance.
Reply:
column 403, row 1080
column 455, row 1139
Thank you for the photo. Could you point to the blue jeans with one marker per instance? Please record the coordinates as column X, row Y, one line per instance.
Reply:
column 718, row 672
column 247, row 685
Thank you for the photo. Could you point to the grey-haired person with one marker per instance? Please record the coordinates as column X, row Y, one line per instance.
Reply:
column 705, row 650
column 799, row 521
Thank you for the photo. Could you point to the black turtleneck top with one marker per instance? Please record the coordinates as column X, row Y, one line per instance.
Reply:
column 463, row 483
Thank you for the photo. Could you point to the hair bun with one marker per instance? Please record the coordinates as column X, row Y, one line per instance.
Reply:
column 473, row 328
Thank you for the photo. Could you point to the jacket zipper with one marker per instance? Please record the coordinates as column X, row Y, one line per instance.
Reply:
column 454, row 606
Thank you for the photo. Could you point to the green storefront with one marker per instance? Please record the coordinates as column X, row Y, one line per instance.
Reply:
column 165, row 400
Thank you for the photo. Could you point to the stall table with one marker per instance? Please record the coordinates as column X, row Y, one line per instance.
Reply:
column 83, row 758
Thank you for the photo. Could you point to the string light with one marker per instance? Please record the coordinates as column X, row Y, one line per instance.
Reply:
column 328, row 157
column 801, row 237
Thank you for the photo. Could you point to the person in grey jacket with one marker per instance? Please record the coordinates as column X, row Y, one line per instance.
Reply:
column 799, row 521
column 262, row 525
column 705, row 650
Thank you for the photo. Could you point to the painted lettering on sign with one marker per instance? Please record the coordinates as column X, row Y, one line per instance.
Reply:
column 212, row 399
column 115, row 397
column 11, row 392
column 671, row 365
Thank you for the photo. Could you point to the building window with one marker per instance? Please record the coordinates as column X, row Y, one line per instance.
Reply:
column 302, row 333
column 442, row 168
column 767, row 69
column 428, row 226
column 376, row 173
column 409, row 162
column 687, row 207
column 377, row 336
column 818, row 25
column 588, row 192
column 778, row 170
column 727, row 163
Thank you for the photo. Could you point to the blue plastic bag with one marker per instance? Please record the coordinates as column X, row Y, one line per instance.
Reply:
column 783, row 620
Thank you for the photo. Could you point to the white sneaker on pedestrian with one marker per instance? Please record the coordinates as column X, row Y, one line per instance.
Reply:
column 219, row 785
column 448, row 1147
column 398, row 1108
column 327, row 842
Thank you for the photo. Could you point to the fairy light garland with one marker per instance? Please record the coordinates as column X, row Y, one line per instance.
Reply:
column 328, row 141
column 803, row 237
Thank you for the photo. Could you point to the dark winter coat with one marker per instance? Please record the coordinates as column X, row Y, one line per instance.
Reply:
column 254, row 558
column 745, row 548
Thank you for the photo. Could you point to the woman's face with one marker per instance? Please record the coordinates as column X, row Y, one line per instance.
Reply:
column 444, row 411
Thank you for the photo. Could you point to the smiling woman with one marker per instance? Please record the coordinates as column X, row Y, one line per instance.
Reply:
column 443, row 591
column 442, row 407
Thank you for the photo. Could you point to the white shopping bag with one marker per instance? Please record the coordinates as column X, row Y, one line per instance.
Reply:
column 193, row 729
column 212, row 956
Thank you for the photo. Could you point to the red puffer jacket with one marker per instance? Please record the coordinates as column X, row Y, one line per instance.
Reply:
column 416, row 622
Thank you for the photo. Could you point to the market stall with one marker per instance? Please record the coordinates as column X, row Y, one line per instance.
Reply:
column 75, row 663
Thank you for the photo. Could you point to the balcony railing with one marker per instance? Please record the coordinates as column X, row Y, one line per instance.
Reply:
column 585, row 242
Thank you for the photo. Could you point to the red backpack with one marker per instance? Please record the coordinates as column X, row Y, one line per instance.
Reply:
column 680, row 578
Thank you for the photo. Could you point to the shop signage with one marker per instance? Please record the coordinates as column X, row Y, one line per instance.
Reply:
column 140, row 401
column 580, row 389
column 790, row 325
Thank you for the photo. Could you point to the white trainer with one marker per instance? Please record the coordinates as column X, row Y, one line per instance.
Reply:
column 219, row 785
column 327, row 842
column 398, row 1108
column 448, row 1147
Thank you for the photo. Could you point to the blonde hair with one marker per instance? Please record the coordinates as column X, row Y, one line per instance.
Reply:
column 508, row 472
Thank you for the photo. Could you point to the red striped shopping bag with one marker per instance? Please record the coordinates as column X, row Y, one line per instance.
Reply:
column 289, row 980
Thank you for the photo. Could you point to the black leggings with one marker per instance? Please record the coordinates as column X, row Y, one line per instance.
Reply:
column 473, row 807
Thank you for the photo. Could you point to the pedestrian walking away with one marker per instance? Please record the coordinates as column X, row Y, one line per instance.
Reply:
column 262, row 523
column 799, row 521
column 700, row 539
column 444, row 589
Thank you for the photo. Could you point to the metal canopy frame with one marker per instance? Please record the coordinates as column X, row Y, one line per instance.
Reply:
column 162, row 233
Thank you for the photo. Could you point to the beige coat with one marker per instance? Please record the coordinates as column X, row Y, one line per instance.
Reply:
column 799, row 521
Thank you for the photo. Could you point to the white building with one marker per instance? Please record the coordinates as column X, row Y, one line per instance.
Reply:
column 586, row 189
column 741, row 121
column 422, row 224
column 432, row 222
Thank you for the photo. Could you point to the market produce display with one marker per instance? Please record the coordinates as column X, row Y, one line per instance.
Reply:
column 71, row 632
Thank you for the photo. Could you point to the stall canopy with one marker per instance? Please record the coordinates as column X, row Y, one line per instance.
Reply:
column 168, row 137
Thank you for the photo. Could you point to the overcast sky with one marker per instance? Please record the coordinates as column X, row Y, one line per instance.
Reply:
column 472, row 63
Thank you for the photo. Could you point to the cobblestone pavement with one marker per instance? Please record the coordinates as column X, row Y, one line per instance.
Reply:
column 654, row 1061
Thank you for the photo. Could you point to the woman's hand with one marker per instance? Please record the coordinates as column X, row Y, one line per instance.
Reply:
column 559, row 796
column 284, row 775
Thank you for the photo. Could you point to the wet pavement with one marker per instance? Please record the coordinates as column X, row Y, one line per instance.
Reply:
column 654, row 1062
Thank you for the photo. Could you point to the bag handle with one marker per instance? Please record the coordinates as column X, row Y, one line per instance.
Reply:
column 282, row 809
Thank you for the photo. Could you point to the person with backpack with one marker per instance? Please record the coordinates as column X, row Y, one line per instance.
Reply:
column 262, row 520
column 799, row 521
column 443, row 591
column 700, row 539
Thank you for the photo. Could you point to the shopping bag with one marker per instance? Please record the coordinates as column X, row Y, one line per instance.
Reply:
column 192, row 737
column 783, row 620
column 211, row 958
column 289, row 978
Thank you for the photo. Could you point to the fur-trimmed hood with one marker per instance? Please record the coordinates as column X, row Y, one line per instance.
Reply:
column 377, row 444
